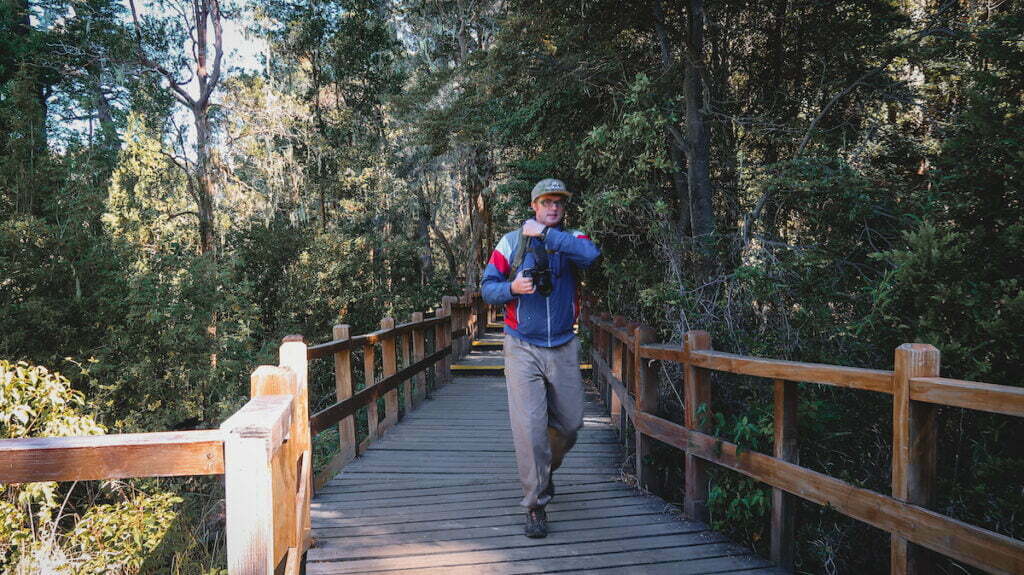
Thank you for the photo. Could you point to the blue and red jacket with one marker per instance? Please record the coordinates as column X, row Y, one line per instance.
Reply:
column 533, row 318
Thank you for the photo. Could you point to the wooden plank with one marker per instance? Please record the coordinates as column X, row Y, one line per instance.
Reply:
column 293, row 355
column 271, row 381
column 429, row 496
column 500, row 544
column 511, row 527
column 405, row 345
column 489, row 522
column 783, row 527
column 692, row 560
column 841, row 376
column 966, row 543
column 343, row 390
column 116, row 456
column 568, row 549
column 511, row 509
column 696, row 396
column 389, row 363
column 913, row 450
column 1003, row 399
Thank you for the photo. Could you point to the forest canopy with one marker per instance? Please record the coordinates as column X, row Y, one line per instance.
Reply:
column 183, row 182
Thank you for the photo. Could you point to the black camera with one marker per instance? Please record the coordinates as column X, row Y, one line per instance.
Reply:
column 540, row 273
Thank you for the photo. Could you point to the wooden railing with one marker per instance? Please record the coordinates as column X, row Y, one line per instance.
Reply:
column 407, row 351
column 623, row 356
column 264, row 449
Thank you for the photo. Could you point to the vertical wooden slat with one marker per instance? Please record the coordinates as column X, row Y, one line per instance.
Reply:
column 913, row 450
column 646, row 378
column 369, row 377
column 696, row 392
column 343, row 391
column 617, row 372
column 784, row 504
column 293, row 355
column 418, row 353
column 389, row 363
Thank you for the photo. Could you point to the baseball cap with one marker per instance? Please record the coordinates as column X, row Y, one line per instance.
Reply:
column 549, row 186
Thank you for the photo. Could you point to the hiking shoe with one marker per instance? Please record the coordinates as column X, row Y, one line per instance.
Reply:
column 536, row 523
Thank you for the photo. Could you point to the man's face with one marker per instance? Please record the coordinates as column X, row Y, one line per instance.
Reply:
column 549, row 209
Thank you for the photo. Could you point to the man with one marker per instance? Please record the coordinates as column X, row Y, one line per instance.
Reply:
column 545, row 390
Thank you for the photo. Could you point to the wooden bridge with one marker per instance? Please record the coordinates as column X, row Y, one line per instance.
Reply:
column 423, row 479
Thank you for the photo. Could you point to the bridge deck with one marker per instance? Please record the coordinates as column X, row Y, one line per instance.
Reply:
column 439, row 494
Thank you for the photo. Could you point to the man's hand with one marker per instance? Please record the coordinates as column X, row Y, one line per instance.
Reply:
column 522, row 285
column 532, row 228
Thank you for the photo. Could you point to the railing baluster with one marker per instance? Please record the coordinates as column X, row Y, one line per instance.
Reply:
column 785, row 448
column 913, row 450
column 696, row 392
column 293, row 354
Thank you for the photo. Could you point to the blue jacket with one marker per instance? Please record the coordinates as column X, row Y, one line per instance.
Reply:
column 533, row 318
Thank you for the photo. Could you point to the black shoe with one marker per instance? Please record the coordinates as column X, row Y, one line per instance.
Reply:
column 536, row 523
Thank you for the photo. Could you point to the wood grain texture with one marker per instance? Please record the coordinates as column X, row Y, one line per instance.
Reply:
column 841, row 376
column 696, row 397
column 115, row 456
column 783, row 527
column 966, row 543
column 913, row 449
column 389, row 364
column 343, row 390
column 1003, row 399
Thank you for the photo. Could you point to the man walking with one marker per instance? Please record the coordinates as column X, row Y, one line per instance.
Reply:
column 533, row 271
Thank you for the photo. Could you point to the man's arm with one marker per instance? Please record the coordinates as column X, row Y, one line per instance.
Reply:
column 577, row 247
column 495, row 287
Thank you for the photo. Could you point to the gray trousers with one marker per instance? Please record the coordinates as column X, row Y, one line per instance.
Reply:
column 545, row 406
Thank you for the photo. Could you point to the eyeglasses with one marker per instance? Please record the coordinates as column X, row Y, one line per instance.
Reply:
column 552, row 203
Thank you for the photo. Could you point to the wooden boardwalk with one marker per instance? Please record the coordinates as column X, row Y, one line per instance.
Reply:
column 439, row 494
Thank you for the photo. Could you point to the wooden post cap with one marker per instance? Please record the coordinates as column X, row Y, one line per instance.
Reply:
column 293, row 338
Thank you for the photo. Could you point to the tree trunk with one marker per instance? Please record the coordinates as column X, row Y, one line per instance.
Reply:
column 426, row 255
column 204, row 182
column 698, row 153
column 675, row 150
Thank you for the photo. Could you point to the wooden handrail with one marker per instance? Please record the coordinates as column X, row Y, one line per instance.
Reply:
column 117, row 456
column 915, row 387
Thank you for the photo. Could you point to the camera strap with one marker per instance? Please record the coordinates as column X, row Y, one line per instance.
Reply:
column 517, row 259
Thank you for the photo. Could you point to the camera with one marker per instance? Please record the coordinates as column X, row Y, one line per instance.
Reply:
column 540, row 273
column 541, row 280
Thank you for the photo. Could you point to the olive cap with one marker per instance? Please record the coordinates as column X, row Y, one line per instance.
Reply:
column 549, row 186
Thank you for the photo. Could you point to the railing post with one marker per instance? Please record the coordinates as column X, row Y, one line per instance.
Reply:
column 696, row 392
column 255, row 517
column 389, row 364
column 343, row 391
column 418, row 353
column 646, row 402
column 784, row 504
column 369, row 378
column 293, row 355
column 914, row 426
